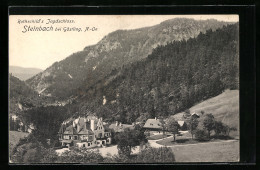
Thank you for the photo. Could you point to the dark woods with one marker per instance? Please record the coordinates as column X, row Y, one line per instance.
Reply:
column 174, row 77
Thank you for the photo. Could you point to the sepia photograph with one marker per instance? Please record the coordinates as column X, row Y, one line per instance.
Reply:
column 132, row 89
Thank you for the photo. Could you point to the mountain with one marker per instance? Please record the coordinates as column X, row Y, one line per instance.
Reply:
column 22, row 97
column 172, row 78
column 24, row 73
column 117, row 49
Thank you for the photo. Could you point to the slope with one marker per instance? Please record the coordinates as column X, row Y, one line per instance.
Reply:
column 22, row 97
column 224, row 107
column 119, row 48
column 173, row 78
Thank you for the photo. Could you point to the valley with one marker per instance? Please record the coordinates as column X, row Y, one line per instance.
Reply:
column 180, row 77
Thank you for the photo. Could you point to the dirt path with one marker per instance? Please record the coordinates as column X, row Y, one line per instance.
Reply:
column 156, row 145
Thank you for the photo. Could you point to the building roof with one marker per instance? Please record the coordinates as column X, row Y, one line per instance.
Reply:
column 70, row 130
column 181, row 123
column 85, row 132
column 195, row 114
column 153, row 124
column 91, row 117
column 120, row 127
column 80, row 126
column 106, row 127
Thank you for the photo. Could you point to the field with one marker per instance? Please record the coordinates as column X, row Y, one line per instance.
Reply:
column 208, row 152
column 224, row 107
column 14, row 137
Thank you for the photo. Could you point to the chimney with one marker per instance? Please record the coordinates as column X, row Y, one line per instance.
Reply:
column 92, row 124
column 78, row 127
column 63, row 128
column 120, row 124
column 116, row 123
column 155, row 118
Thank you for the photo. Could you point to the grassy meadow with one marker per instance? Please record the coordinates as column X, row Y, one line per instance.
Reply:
column 224, row 107
column 208, row 152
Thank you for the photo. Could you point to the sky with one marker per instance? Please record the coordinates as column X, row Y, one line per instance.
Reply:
column 40, row 49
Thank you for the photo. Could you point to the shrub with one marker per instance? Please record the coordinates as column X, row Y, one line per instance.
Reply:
column 155, row 155
column 80, row 155
column 209, row 123
column 173, row 127
column 182, row 140
column 192, row 125
column 118, row 159
column 201, row 135
column 49, row 156
column 220, row 128
column 128, row 140
column 28, row 153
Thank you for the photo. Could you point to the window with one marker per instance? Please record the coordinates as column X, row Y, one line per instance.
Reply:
column 84, row 145
column 75, row 137
column 88, row 144
column 69, row 137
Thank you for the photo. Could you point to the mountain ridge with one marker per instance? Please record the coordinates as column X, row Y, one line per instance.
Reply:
column 24, row 73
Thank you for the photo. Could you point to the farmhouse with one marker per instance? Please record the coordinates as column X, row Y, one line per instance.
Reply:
column 194, row 114
column 153, row 125
column 84, row 132
column 182, row 124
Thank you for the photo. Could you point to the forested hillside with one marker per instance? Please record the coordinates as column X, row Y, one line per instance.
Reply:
column 122, row 47
column 174, row 77
column 22, row 97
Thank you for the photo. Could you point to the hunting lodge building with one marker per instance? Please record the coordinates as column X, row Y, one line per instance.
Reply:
column 85, row 132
